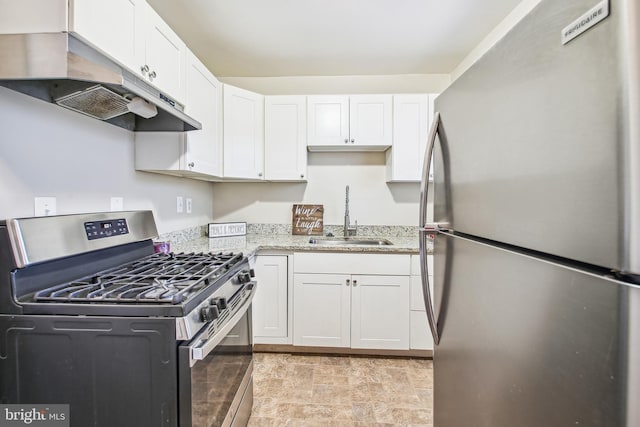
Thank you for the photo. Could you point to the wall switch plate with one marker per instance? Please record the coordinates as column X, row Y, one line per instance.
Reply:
column 189, row 204
column 44, row 206
column 179, row 204
column 117, row 204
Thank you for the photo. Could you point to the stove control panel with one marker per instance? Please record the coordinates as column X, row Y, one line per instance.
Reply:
column 107, row 228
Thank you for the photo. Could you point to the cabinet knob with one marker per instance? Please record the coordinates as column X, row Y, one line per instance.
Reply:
column 355, row 283
column 259, row 173
column 348, row 282
column 192, row 164
column 346, row 141
column 352, row 141
column 144, row 68
column 152, row 75
column 301, row 175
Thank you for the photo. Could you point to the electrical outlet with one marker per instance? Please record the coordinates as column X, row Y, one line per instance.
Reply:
column 44, row 206
column 117, row 204
column 189, row 204
column 179, row 204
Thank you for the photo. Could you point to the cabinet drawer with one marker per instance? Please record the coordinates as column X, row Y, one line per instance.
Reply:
column 345, row 263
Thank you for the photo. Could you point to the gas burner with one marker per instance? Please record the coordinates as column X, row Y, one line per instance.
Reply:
column 158, row 278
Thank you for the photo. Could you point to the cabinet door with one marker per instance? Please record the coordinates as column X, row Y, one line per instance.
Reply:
column 380, row 312
column 115, row 27
column 285, row 138
column 370, row 120
column 321, row 310
column 243, row 134
column 203, row 148
column 328, row 121
column 270, row 304
column 421, row 338
column 410, row 133
column 165, row 55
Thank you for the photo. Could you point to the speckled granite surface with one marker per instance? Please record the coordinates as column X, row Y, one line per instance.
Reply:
column 277, row 237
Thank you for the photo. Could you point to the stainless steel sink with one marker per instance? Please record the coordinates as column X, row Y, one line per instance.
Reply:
column 343, row 241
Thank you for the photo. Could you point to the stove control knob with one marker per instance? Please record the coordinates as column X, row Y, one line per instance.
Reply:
column 252, row 273
column 220, row 303
column 209, row 314
column 244, row 276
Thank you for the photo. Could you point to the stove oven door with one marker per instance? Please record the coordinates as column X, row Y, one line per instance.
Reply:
column 216, row 386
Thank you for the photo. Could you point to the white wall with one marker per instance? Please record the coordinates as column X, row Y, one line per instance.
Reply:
column 46, row 150
column 372, row 200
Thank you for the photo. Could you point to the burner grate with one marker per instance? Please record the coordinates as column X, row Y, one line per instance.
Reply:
column 158, row 278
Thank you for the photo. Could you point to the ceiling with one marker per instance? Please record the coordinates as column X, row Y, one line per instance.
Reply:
column 265, row 38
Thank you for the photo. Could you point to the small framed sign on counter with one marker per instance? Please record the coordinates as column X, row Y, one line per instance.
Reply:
column 225, row 229
column 308, row 220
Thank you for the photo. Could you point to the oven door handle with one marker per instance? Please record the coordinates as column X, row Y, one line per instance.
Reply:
column 201, row 348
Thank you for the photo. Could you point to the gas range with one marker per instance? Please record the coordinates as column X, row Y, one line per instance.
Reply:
column 93, row 283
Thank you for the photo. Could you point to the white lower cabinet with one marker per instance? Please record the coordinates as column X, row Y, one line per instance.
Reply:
column 337, row 304
column 421, row 338
column 272, row 303
column 321, row 310
column 380, row 312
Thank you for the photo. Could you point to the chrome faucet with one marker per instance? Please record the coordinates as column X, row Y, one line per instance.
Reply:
column 348, row 229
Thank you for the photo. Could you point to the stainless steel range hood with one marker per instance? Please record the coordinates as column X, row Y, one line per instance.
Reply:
column 58, row 68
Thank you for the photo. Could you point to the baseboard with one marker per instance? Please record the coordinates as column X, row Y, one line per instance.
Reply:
column 339, row 351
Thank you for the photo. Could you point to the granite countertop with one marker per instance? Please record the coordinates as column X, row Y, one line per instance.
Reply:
column 252, row 243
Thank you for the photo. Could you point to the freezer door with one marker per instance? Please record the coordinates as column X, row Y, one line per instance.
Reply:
column 528, row 343
column 539, row 146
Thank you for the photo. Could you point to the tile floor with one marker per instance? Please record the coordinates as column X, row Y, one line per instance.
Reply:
column 304, row 390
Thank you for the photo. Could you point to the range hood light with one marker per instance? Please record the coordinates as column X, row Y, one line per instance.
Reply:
column 142, row 108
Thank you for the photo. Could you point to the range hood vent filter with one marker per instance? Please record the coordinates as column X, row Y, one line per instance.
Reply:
column 97, row 102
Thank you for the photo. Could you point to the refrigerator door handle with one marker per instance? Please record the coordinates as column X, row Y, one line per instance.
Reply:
column 426, row 291
column 426, row 169
column 432, row 228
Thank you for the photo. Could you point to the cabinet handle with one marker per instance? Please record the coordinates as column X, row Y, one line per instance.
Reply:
column 353, row 140
column 259, row 173
column 152, row 75
column 346, row 141
column 301, row 175
column 348, row 282
column 192, row 164
column 355, row 283
column 144, row 68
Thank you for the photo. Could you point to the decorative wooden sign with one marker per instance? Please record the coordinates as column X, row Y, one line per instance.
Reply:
column 308, row 219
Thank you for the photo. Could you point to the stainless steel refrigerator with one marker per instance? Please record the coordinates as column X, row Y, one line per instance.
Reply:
column 536, row 217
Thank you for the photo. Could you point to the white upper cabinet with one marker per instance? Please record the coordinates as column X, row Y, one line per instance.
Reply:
column 328, row 121
column 203, row 148
column 133, row 34
column 198, row 153
column 115, row 27
column 411, row 122
column 164, row 56
column 285, row 138
column 352, row 123
column 243, row 134
column 370, row 120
